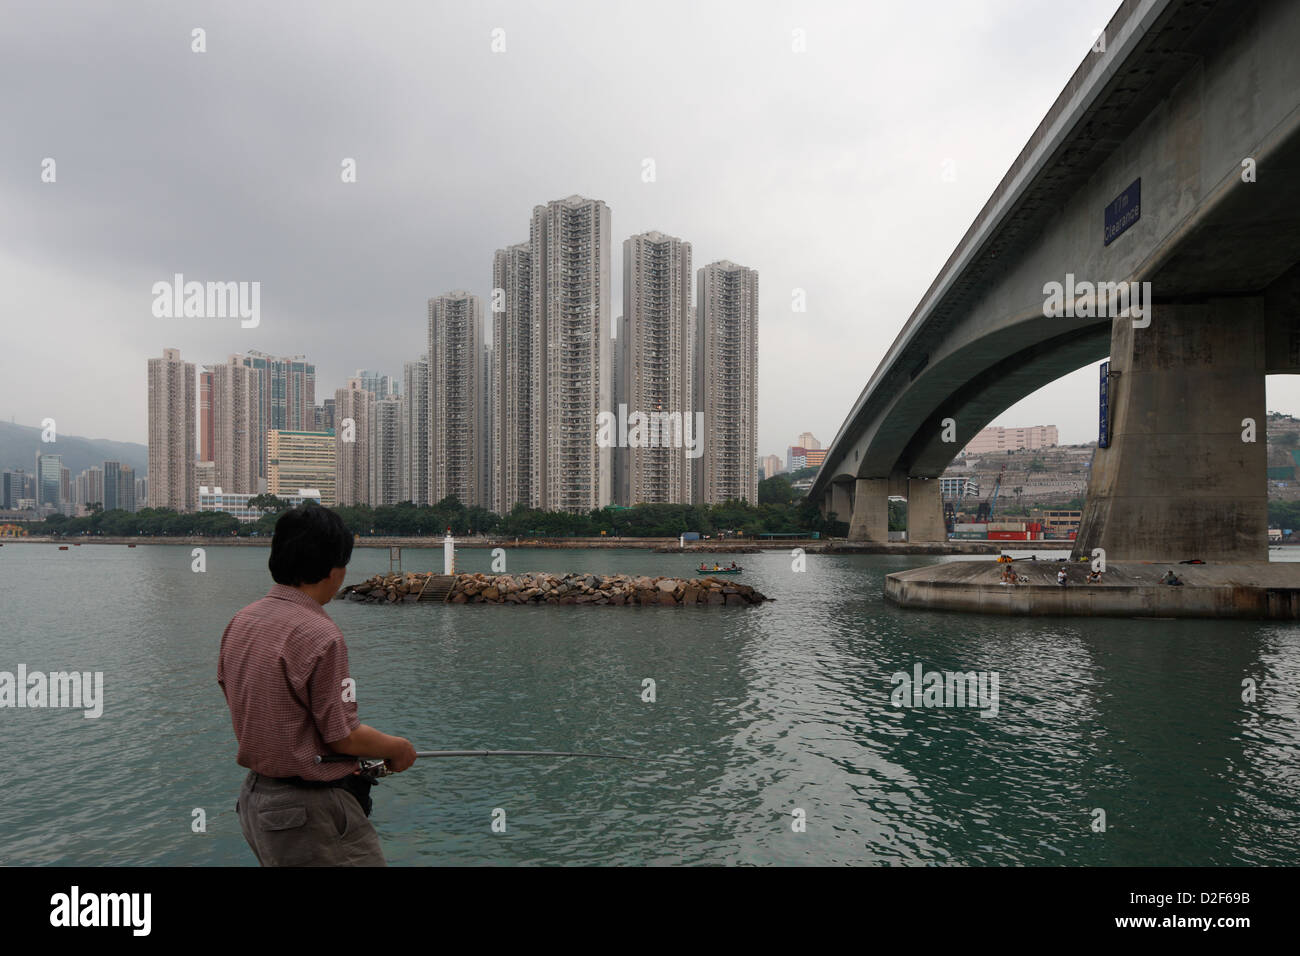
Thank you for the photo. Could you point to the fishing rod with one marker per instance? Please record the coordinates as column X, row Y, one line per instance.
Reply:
column 378, row 767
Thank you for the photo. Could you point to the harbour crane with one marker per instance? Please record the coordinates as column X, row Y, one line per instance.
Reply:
column 986, row 510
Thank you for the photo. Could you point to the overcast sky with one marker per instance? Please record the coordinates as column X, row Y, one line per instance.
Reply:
column 821, row 169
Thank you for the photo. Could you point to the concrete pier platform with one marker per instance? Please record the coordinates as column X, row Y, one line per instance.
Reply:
column 1127, row 589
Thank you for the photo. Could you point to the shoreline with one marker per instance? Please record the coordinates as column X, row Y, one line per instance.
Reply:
column 657, row 545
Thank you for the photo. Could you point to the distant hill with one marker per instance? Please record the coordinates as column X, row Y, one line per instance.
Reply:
column 20, row 443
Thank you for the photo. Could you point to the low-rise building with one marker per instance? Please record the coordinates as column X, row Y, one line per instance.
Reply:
column 214, row 499
column 1061, row 523
column 962, row 486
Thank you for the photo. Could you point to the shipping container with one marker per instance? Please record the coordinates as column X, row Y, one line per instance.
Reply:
column 1006, row 526
column 1009, row 536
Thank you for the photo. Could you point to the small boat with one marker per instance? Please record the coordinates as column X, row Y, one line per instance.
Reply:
column 63, row 547
column 130, row 546
column 718, row 570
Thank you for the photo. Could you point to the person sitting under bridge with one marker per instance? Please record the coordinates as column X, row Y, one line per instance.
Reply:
column 1094, row 576
column 1171, row 579
column 1060, row 577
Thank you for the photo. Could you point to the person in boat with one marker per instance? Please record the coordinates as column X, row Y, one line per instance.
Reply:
column 283, row 666
column 716, row 568
column 702, row 567
column 733, row 566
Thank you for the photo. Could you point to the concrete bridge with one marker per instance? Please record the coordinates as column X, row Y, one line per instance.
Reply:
column 1171, row 158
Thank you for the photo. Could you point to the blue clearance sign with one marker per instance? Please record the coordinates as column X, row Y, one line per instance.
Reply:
column 1103, row 425
column 1124, row 210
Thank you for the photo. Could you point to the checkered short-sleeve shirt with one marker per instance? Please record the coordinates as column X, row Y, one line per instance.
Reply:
column 282, row 667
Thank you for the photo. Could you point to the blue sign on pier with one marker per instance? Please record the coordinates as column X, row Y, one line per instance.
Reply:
column 1124, row 210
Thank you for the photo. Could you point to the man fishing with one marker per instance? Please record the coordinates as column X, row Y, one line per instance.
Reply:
column 283, row 667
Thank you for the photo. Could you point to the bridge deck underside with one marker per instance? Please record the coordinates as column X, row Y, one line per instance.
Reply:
column 1248, row 244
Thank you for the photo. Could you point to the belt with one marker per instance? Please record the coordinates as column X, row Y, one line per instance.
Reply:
column 300, row 782
column 356, row 784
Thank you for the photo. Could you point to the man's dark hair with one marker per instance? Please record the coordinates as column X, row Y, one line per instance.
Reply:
column 309, row 542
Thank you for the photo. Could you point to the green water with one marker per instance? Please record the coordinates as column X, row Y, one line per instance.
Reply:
column 759, row 712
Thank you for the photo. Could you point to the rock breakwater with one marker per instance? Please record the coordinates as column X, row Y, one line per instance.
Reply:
column 544, row 588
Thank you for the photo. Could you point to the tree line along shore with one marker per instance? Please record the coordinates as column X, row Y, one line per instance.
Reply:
column 663, row 521
column 662, row 545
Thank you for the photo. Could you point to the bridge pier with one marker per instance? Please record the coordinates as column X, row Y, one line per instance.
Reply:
column 1181, row 479
column 925, row 523
column 840, row 503
column 870, row 521
column 870, row 509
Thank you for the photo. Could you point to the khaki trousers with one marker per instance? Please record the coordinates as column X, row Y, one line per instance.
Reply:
column 290, row 825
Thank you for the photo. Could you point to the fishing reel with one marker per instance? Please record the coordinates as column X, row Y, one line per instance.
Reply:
column 373, row 769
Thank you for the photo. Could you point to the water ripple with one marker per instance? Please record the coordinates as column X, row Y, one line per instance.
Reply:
column 772, row 739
